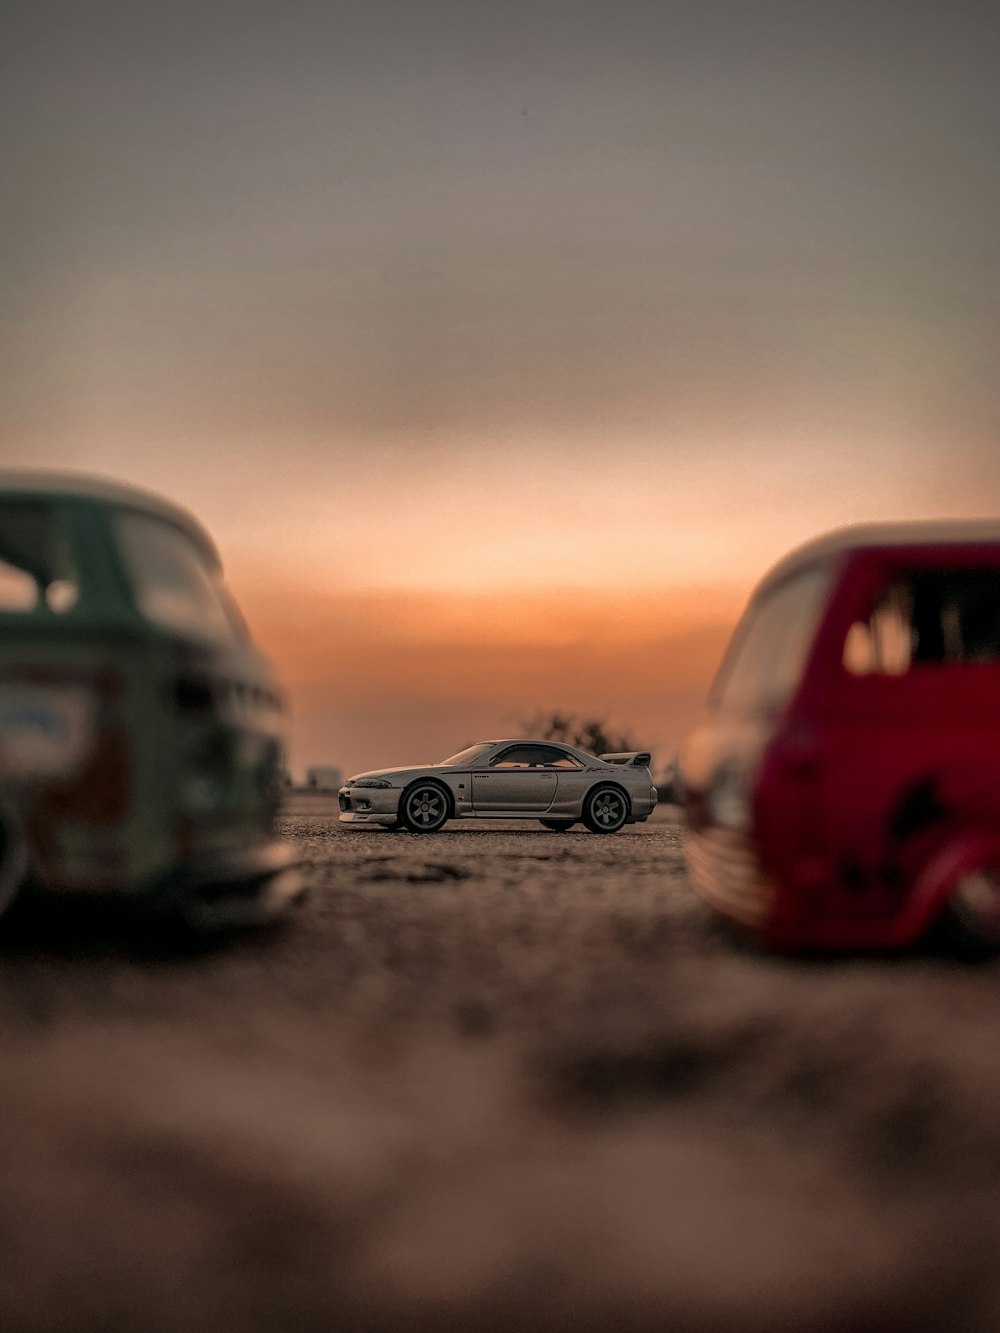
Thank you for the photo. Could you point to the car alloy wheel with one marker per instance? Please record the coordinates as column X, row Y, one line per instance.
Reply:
column 605, row 810
column 424, row 808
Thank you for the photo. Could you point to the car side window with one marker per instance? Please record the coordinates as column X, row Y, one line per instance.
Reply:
column 517, row 756
column 37, row 574
column 534, row 756
column 560, row 759
column 18, row 590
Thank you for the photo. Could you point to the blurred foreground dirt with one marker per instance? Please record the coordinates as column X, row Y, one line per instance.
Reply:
column 495, row 1078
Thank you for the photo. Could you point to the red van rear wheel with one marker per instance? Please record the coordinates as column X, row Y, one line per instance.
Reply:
column 972, row 919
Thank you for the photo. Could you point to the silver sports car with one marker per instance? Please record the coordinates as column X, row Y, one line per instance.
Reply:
column 555, row 784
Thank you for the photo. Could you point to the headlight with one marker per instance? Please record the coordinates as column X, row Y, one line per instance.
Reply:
column 728, row 800
column 371, row 782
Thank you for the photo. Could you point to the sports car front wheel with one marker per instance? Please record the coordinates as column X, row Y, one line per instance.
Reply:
column 424, row 808
column 605, row 810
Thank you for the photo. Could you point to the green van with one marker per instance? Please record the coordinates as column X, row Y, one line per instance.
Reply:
column 141, row 732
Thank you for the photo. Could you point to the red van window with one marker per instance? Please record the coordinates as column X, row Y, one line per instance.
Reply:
column 883, row 644
column 929, row 616
column 769, row 652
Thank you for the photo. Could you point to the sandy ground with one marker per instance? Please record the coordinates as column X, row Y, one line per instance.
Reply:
column 495, row 1078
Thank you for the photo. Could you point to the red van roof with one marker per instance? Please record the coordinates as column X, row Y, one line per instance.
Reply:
column 874, row 536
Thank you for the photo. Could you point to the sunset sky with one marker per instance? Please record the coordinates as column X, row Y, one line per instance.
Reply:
column 503, row 347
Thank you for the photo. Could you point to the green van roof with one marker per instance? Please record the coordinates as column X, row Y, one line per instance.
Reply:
column 105, row 490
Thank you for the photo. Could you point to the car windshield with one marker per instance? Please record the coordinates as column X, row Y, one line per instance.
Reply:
column 768, row 654
column 173, row 583
column 37, row 573
column 466, row 756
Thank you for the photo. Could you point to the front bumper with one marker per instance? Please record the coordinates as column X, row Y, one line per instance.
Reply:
column 723, row 866
column 245, row 888
column 208, row 892
column 369, row 805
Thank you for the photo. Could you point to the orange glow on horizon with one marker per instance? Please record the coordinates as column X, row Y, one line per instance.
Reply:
column 377, row 678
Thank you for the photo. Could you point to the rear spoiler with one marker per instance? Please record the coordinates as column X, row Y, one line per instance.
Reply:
column 638, row 758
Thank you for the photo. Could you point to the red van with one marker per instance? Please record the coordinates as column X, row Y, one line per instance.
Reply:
column 843, row 789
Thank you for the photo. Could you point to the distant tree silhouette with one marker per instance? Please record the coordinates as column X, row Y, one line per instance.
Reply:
column 592, row 734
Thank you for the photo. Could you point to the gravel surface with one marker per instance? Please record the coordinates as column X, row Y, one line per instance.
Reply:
column 493, row 1078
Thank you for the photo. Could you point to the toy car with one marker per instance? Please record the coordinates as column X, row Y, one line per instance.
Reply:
column 553, row 783
column 843, row 790
column 140, row 730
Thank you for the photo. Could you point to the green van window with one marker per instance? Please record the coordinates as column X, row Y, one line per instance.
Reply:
column 173, row 584
column 37, row 574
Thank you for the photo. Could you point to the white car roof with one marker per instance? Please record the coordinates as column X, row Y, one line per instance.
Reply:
column 529, row 740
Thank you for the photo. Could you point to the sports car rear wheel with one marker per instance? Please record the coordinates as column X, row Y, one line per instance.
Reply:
column 424, row 807
column 557, row 825
column 605, row 810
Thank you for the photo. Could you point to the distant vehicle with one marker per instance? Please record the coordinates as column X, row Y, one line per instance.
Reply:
column 843, row 791
column 556, row 784
column 141, row 733
column 324, row 779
